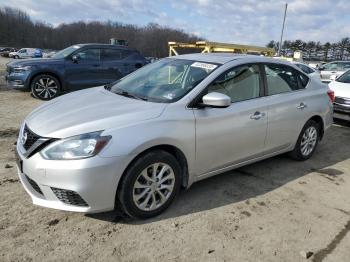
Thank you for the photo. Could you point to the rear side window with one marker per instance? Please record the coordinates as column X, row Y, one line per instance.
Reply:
column 240, row 83
column 282, row 79
column 303, row 81
column 126, row 53
column 112, row 54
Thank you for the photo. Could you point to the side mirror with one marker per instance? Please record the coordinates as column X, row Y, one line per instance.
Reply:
column 215, row 99
column 320, row 68
column 75, row 59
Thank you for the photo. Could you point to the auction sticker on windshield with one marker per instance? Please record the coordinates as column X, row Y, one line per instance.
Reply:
column 204, row 65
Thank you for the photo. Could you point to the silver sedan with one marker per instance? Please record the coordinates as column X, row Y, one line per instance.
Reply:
column 135, row 143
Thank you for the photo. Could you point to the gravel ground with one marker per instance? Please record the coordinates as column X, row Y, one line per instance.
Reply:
column 274, row 210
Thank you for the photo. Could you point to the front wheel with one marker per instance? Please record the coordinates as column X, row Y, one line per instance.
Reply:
column 307, row 141
column 150, row 184
column 45, row 87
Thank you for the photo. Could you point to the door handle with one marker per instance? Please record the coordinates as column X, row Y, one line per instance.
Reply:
column 301, row 106
column 257, row 115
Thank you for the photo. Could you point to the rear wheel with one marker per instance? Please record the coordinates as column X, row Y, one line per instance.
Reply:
column 150, row 184
column 307, row 141
column 45, row 87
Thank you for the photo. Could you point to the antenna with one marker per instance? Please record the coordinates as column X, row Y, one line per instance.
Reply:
column 284, row 21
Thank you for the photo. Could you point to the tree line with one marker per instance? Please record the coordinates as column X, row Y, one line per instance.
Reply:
column 17, row 29
column 315, row 50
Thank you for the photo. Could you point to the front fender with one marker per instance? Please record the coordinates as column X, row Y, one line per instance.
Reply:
column 135, row 139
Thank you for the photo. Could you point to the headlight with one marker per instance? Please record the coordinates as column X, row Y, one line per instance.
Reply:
column 76, row 147
column 21, row 69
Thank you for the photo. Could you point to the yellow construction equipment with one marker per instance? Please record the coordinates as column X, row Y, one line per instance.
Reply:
column 209, row 47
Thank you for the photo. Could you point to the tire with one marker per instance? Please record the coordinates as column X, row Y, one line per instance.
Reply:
column 139, row 196
column 307, row 141
column 16, row 57
column 45, row 87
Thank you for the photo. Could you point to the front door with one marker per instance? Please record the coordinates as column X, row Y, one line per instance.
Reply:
column 227, row 136
column 86, row 70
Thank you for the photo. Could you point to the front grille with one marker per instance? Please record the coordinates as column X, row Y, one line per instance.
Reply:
column 34, row 185
column 31, row 137
column 341, row 100
column 69, row 197
column 340, row 108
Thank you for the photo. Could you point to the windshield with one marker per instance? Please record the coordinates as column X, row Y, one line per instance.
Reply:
column 66, row 52
column 165, row 81
column 344, row 78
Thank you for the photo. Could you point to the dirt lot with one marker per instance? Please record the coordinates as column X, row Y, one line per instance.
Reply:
column 268, row 211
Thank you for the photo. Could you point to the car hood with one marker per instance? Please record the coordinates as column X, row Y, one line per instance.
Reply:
column 87, row 111
column 35, row 61
column 340, row 89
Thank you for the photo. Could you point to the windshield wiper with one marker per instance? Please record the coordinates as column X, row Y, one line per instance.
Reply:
column 127, row 94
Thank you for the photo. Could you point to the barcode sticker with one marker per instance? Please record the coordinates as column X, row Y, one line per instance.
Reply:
column 204, row 65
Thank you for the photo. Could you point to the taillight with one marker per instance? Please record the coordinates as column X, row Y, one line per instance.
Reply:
column 330, row 93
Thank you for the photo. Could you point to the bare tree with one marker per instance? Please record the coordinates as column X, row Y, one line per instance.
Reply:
column 18, row 30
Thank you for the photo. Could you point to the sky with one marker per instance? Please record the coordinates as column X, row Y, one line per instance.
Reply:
column 232, row 21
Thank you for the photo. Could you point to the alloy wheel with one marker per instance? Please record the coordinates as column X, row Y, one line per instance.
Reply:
column 45, row 88
column 153, row 186
column 308, row 141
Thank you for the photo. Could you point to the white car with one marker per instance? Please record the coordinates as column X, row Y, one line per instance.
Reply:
column 330, row 71
column 308, row 70
column 341, row 88
column 26, row 53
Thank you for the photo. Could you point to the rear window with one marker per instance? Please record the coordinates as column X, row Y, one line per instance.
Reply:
column 283, row 79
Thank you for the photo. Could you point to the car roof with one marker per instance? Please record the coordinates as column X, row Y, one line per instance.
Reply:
column 339, row 62
column 105, row 45
column 223, row 58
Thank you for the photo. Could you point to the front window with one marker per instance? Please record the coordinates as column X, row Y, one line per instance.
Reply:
column 92, row 54
column 165, row 81
column 344, row 78
column 65, row 52
column 240, row 83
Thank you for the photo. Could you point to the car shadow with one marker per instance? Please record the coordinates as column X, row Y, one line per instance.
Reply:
column 252, row 180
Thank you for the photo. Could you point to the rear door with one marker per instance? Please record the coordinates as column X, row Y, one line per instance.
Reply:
column 227, row 136
column 133, row 60
column 86, row 71
column 112, row 64
column 287, row 101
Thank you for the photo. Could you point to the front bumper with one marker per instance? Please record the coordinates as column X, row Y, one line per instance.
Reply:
column 342, row 111
column 94, row 180
column 17, row 80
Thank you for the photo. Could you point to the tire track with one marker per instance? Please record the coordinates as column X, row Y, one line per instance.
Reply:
column 321, row 254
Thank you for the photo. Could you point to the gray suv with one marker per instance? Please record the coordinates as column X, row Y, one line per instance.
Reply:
column 76, row 67
column 135, row 143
